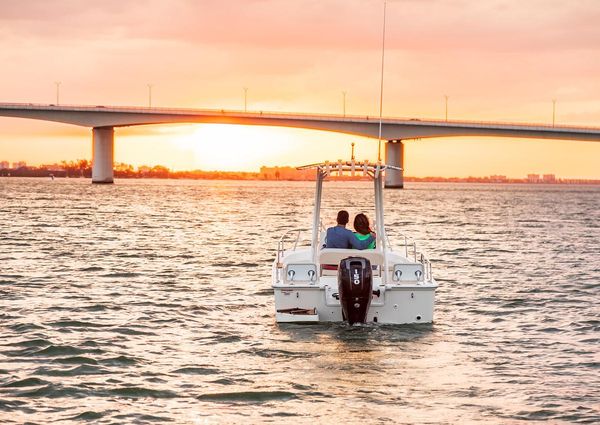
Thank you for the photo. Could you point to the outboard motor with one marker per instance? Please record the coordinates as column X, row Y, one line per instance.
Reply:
column 355, row 287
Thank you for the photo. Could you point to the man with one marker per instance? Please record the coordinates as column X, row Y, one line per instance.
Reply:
column 340, row 237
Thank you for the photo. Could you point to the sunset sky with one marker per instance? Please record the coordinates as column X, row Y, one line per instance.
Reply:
column 496, row 60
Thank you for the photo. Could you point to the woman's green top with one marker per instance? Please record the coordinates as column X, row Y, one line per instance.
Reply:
column 361, row 237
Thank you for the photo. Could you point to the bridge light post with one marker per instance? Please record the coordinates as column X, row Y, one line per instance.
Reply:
column 553, row 112
column 446, row 97
column 245, row 99
column 150, row 95
column 57, row 83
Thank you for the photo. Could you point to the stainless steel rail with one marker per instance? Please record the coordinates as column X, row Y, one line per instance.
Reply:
column 410, row 248
column 285, row 239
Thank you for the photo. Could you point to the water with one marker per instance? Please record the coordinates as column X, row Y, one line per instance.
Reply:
column 150, row 301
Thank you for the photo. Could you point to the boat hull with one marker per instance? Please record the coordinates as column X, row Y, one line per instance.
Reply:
column 395, row 304
column 403, row 290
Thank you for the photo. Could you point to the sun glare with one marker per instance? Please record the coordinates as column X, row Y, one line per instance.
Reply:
column 231, row 147
column 246, row 148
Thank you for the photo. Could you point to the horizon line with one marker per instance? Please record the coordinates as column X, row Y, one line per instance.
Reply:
column 85, row 164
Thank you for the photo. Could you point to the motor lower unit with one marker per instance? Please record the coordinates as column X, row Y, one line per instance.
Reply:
column 355, row 287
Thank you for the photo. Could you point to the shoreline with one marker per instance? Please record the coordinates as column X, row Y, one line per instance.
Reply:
column 233, row 176
column 82, row 168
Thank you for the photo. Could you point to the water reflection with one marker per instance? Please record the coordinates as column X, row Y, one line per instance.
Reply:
column 150, row 301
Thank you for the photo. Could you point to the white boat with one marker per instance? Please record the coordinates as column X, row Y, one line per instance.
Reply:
column 316, row 284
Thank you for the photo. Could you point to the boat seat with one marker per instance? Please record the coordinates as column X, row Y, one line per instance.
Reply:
column 329, row 258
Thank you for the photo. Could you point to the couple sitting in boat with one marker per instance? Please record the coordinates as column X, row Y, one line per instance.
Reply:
column 340, row 237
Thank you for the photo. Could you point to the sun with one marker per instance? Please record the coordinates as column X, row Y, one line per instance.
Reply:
column 231, row 147
column 236, row 147
column 227, row 147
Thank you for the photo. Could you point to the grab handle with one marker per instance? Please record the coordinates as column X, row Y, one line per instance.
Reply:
column 291, row 274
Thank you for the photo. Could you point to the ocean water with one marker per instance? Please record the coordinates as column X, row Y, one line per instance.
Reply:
column 149, row 301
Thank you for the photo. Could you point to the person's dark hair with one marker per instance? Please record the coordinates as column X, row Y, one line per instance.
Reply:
column 343, row 217
column 361, row 224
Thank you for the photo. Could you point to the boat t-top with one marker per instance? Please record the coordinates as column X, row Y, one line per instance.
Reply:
column 318, row 284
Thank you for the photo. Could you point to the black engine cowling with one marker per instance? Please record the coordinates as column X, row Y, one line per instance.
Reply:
column 355, row 286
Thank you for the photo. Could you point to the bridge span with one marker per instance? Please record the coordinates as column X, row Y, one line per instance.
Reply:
column 103, row 120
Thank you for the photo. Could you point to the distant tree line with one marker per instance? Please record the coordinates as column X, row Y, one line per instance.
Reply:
column 83, row 168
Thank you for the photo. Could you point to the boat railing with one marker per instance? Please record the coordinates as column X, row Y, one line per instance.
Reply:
column 289, row 238
column 292, row 237
column 410, row 250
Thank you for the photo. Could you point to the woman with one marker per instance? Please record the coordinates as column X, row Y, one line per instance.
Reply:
column 363, row 230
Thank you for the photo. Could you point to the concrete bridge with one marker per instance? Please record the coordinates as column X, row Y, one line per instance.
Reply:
column 103, row 120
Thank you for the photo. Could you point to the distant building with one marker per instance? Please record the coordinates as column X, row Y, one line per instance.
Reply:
column 53, row 167
column 286, row 173
column 549, row 178
column 4, row 165
column 533, row 178
column 498, row 179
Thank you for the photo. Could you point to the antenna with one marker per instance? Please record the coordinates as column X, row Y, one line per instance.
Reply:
column 381, row 88
column 352, row 151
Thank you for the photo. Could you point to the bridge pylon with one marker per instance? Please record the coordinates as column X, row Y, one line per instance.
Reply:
column 394, row 155
column 103, row 152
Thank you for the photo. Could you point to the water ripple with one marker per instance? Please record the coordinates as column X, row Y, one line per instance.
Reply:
column 150, row 301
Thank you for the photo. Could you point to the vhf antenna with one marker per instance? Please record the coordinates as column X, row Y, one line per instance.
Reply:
column 381, row 88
